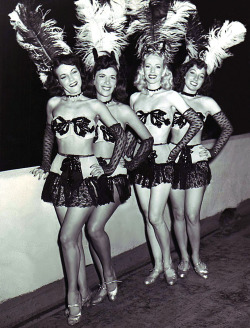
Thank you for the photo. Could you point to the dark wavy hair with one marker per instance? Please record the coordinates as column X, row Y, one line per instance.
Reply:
column 52, row 83
column 179, row 81
column 104, row 62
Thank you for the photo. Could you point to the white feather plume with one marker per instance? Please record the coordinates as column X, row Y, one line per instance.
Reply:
column 219, row 40
column 103, row 28
column 42, row 39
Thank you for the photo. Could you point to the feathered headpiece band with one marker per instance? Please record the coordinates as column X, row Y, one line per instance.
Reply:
column 160, row 26
column 103, row 29
column 41, row 38
column 215, row 46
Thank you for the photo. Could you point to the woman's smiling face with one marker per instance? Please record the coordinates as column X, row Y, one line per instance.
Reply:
column 153, row 69
column 69, row 78
column 194, row 79
column 105, row 82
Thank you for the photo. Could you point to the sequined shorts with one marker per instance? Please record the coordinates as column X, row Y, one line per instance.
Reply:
column 188, row 175
column 70, row 184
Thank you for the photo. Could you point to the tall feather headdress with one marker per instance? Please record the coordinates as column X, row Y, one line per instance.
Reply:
column 103, row 29
column 41, row 38
column 219, row 40
column 162, row 29
column 213, row 48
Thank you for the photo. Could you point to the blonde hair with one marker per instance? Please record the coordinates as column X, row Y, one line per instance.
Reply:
column 166, row 80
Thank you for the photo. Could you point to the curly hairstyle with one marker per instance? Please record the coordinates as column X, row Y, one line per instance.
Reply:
column 166, row 80
column 52, row 83
column 179, row 81
column 103, row 62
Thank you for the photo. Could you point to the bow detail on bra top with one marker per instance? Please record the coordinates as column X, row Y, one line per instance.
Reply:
column 106, row 135
column 156, row 117
column 80, row 124
column 181, row 121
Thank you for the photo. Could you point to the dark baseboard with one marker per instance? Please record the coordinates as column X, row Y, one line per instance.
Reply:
column 51, row 298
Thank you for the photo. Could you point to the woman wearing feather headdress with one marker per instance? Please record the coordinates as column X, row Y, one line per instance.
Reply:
column 103, row 33
column 191, row 170
column 75, row 180
column 155, row 105
column 109, row 88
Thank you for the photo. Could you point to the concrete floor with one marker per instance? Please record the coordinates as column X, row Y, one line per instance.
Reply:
column 220, row 301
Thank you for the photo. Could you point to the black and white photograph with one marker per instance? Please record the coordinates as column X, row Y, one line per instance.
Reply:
column 125, row 164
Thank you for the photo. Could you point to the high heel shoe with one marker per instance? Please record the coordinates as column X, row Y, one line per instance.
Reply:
column 100, row 295
column 113, row 293
column 170, row 275
column 86, row 301
column 201, row 269
column 73, row 319
column 183, row 268
column 151, row 278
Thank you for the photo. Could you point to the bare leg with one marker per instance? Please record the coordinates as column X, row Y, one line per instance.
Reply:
column 72, row 225
column 158, row 200
column 193, row 203
column 144, row 198
column 100, row 243
column 82, row 278
column 177, row 197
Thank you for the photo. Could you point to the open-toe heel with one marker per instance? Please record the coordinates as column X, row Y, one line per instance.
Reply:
column 73, row 319
column 183, row 268
column 86, row 301
column 170, row 275
column 201, row 269
column 100, row 295
column 112, row 294
column 154, row 274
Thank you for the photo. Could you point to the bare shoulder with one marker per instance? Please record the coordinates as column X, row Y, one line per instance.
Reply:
column 210, row 104
column 51, row 106
column 96, row 105
column 134, row 97
column 53, row 103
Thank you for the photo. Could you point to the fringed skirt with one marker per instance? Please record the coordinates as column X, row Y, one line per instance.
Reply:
column 150, row 174
column 70, row 184
column 118, row 180
column 188, row 175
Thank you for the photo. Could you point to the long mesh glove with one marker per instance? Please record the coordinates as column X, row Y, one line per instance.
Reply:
column 226, row 132
column 48, row 142
column 120, row 140
column 131, row 142
column 141, row 154
column 195, row 124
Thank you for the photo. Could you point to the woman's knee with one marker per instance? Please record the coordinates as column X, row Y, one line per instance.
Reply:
column 66, row 239
column 95, row 231
column 179, row 214
column 192, row 218
column 155, row 219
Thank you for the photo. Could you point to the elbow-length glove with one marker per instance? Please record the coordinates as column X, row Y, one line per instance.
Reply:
column 195, row 124
column 226, row 132
column 120, row 140
column 48, row 142
column 131, row 142
column 141, row 154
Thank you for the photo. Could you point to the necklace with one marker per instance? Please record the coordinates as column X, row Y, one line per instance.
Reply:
column 73, row 97
column 189, row 94
column 107, row 102
column 154, row 90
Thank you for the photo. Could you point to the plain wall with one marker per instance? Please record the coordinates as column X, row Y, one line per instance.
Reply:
column 29, row 227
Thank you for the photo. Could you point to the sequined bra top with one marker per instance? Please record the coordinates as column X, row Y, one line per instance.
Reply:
column 103, row 134
column 180, row 121
column 156, row 117
column 79, row 126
